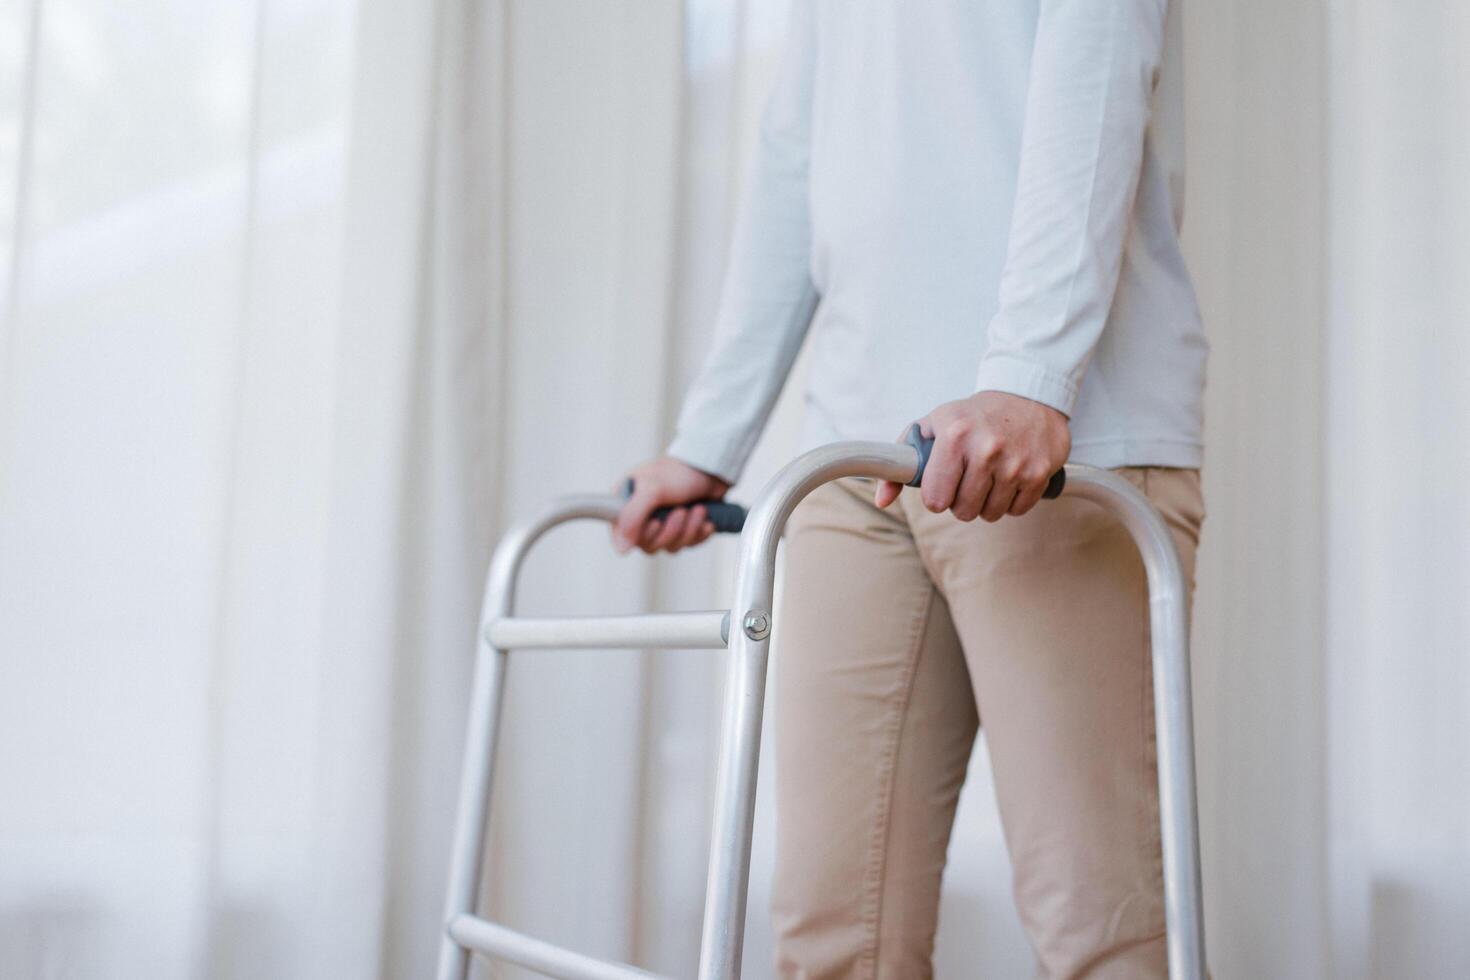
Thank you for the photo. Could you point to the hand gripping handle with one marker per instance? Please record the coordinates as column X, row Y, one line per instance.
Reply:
column 727, row 518
column 924, row 446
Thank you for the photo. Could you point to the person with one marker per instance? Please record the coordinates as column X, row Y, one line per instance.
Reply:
column 974, row 208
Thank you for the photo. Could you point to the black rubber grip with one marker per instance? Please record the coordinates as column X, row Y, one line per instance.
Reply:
column 727, row 518
column 924, row 446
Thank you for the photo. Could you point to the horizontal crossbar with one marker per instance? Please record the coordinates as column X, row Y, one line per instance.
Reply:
column 494, row 939
column 686, row 630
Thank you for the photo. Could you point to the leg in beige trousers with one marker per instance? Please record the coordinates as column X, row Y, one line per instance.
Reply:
column 901, row 632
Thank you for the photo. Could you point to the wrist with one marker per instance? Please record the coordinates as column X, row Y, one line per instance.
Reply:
column 1009, row 402
column 711, row 456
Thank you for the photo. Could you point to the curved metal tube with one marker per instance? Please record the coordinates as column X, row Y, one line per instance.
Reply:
column 468, row 850
column 505, row 565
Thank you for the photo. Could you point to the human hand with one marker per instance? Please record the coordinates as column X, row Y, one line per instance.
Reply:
column 666, row 482
column 993, row 455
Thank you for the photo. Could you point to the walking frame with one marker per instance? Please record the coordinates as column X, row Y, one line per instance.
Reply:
column 748, row 644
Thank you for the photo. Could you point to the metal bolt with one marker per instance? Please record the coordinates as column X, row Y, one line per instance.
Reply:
column 757, row 625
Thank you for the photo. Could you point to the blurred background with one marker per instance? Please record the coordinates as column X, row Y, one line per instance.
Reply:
column 302, row 301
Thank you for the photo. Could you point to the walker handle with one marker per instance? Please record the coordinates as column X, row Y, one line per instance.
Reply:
column 727, row 518
column 924, row 446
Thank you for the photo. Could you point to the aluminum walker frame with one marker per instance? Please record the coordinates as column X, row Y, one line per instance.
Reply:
column 748, row 644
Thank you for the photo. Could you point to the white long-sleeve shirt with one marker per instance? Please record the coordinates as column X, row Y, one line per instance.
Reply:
column 957, row 196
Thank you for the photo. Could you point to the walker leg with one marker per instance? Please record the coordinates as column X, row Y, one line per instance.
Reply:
column 734, row 818
column 474, row 804
column 1168, row 624
column 745, row 686
column 1183, row 904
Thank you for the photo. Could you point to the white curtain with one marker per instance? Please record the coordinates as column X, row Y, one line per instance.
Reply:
column 302, row 300
column 249, row 415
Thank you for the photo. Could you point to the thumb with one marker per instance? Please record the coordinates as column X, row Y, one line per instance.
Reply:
column 634, row 514
column 886, row 493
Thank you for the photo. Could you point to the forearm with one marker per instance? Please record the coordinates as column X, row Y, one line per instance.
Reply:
column 767, row 305
column 732, row 397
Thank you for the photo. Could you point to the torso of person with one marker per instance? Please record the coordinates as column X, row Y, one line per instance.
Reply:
column 916, row 139
column 916, row 144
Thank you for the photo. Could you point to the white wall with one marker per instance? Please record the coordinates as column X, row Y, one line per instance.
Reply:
column 1257, row 248
column 1398, row 451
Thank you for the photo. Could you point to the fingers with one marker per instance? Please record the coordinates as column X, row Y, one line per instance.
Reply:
column 659, row 483
column 1028, row 495
column 683, row 527
column 649, row 535
column 886, row 493
column 998, row 501
column 632, row 523
column 694, row 527
column 942, row 475
column 695, row 534
column 975, row 487
column 987, row 460
column 670, row 533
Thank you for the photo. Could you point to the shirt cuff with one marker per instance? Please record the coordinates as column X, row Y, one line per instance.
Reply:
column 1029, row 379
column 710, row 455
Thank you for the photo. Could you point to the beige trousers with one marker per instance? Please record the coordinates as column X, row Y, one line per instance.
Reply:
column 901, row 632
